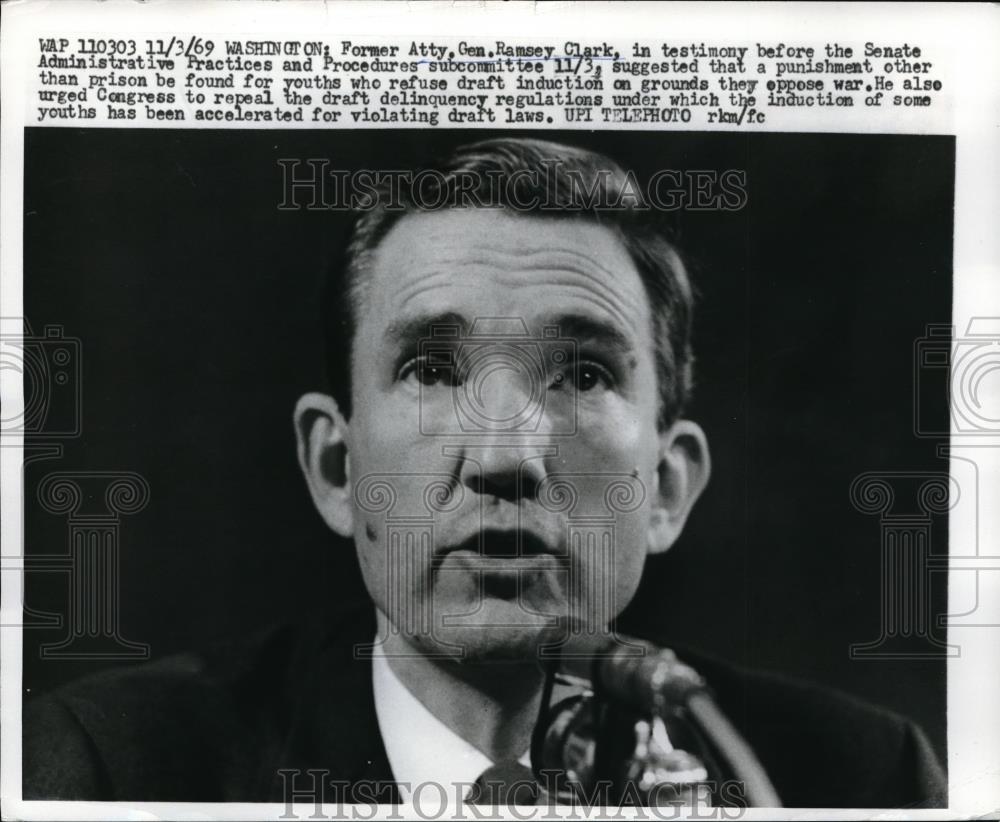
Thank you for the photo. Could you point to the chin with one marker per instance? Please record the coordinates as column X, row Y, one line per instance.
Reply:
column 499, row 630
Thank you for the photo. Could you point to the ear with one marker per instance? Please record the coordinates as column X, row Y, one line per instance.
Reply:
column 682, row 473
column 321, row 432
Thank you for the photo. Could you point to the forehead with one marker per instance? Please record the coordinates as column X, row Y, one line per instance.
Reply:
column 490, row 263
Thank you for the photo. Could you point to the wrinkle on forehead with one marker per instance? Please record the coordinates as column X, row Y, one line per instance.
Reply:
column 528, row 257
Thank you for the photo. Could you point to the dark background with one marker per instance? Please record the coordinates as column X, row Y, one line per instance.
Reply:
column 195, row 301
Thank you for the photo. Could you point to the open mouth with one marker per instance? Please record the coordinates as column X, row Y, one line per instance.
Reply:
column 498, row 544
column 505, row 560
column 494, row 542
column 502, row 556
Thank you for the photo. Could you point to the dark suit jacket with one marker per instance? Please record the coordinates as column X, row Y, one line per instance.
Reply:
column 219, row 727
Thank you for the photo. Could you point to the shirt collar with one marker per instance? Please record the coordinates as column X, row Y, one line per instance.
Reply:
column 419, row 746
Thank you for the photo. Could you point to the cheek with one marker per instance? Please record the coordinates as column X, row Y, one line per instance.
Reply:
column 378, row 409
column 632, row 547
column 385, row 436
column 616, row 435
column 620, row 441
column 395, row 565
column 608, row 566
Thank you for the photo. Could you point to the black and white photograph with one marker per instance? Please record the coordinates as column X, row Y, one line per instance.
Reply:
column 396, row 466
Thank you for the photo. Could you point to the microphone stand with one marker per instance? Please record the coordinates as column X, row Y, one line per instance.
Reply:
column 632, row 702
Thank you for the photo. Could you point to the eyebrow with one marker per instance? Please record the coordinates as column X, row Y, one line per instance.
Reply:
column 578, row 327
column 583, row 328
column 409, row 330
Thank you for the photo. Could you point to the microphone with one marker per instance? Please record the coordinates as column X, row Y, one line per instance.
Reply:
column 645, row 676
column 615, row 727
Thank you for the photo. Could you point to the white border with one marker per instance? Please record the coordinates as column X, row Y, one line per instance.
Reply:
column 963, row 40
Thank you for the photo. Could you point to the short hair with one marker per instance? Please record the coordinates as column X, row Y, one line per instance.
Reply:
column 531, row 179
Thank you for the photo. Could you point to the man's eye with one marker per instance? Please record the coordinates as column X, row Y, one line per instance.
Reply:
column 586, row 375
column 428, row 373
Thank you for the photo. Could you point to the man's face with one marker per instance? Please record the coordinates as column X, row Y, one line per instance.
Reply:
column 462, row 453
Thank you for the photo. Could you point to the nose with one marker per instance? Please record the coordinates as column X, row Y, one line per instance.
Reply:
column 507, row 457
column 505, row 469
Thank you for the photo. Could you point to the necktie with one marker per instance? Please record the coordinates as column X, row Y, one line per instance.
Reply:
column 504, row 784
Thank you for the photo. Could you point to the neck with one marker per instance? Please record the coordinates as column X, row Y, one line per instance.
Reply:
column 492, row 706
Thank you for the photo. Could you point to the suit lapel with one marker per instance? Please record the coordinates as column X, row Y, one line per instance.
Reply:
column 333, row 728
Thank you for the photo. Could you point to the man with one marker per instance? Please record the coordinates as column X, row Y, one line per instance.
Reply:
column 504, row 441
